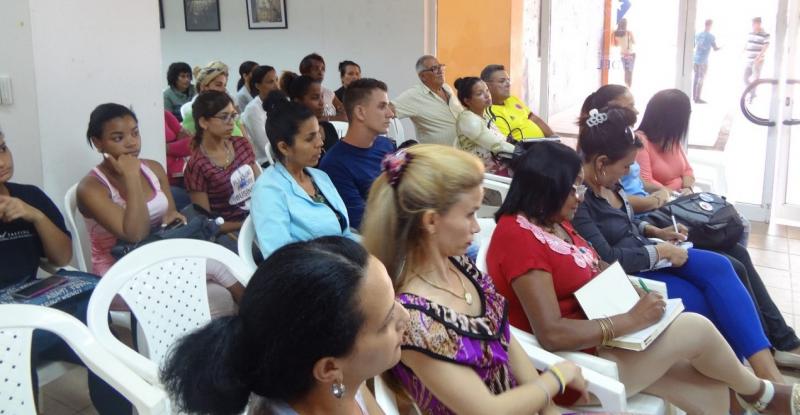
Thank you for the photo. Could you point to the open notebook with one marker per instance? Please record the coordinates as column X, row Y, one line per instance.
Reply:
column 611, row 293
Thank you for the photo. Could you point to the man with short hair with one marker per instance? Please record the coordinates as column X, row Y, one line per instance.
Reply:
column 355, row 161
column 755, row 51
column 432, row 105
column 511, row 116
column 703, row 43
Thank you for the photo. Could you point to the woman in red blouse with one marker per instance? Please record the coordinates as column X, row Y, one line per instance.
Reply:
column 537, row 261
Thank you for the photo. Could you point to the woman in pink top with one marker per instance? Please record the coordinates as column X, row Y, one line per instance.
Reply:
column 124, row 197
column 663, row 131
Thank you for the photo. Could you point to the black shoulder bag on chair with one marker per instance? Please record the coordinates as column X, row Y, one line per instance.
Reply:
column 713, row 222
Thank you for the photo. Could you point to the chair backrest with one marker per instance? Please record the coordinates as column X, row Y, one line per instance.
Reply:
column 164, row 284
column 268, row 151
column 341, row 127
column 396, row 131
column 17, row 323
column 76, row 228
column 495, row 191
column 247, row 236
column 484, row 238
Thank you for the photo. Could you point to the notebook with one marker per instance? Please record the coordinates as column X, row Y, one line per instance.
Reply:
column 611, row 293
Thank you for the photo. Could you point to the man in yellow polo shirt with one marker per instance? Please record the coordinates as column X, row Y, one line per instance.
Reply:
column 511, row 116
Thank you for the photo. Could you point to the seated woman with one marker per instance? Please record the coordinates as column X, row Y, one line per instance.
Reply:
column 180, row 89
column 782, row 337
column 349, row 71
column 32, row 228
column 243, row 92
column 475, row 134
column 642, row 198
column 308, row 91
column 212, row 77
column 283, row 359
column 458, row 355
column 222, row 170
column 293, row 201
column 178, row 150
column 663, row 132
column 313, row 66
column 124, row 198
column 262, row 81
column 538, row 261
column 705, row 281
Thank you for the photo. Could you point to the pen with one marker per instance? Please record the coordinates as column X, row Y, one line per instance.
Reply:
column 644, row 287
column 675, row 224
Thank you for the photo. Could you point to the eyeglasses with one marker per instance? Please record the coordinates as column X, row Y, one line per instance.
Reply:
column 434, row 68
column 579, row 189
column 228, row 118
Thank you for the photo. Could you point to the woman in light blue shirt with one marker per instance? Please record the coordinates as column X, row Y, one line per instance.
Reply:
column 292, row 201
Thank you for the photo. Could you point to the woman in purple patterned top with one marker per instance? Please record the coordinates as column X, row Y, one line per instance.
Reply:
column 457, row 353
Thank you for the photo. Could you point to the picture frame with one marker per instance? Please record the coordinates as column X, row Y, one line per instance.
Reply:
column 201, row 15
column 266, row 14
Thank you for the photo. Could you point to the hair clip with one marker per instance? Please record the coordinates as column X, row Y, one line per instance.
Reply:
column 596, row 118
column 394, row 164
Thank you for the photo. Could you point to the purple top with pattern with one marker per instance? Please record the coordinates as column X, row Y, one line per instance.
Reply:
column 480, row 342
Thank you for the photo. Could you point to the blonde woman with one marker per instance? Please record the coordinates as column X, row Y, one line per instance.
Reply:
column 457, row 353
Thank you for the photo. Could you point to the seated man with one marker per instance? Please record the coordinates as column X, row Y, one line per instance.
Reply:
column 432, row 105
column 355, row 161
column 512, row 117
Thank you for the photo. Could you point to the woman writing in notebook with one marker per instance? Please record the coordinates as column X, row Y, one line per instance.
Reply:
column 538, row 261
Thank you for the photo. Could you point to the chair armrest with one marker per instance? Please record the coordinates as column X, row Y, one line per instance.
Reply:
column 602, row 366
column 610, row 392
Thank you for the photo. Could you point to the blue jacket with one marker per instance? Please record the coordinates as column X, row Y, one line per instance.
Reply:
column 284, row 213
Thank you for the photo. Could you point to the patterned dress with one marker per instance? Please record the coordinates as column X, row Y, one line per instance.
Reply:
column 479, row 342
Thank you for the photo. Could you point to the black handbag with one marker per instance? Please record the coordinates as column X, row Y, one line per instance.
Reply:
column 199, row 225
column 713, row 222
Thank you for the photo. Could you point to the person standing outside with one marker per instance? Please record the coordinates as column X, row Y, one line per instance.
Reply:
column 703, row 43
column 755, row 51
column 624, row 39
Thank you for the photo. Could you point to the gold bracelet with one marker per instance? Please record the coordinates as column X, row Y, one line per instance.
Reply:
column 610, row 322
column 562, row 384
column 604, row 330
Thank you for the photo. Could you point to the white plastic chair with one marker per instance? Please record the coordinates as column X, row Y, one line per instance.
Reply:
column 247, row 236
column 17, row 323
column 341, row 127
column 268, row 152
column 164, row 284
column 501, row 187
column 79, row 234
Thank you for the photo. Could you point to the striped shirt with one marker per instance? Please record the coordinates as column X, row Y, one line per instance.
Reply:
column 756, row 42
column 228, row 188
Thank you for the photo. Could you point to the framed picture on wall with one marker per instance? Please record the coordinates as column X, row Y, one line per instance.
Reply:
column 161, row 13
column 266, row 14
column 201, row 15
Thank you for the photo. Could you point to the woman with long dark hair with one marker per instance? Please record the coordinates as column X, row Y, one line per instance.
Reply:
column 282, row 355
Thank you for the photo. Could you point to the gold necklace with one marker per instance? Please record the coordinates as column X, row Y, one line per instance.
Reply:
column 467, row 296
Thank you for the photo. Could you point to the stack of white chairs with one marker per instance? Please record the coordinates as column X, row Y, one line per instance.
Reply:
column 17, row 323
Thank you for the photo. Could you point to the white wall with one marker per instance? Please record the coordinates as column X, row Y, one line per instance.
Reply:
column 384, row 37
column 20, row 121
column 66, row 57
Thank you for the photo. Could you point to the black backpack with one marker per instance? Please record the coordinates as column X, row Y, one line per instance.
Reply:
column 713, row 223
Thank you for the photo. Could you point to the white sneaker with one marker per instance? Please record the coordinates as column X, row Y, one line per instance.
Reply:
column 787, row 359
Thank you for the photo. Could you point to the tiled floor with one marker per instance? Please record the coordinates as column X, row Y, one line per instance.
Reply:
column 775, row 250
